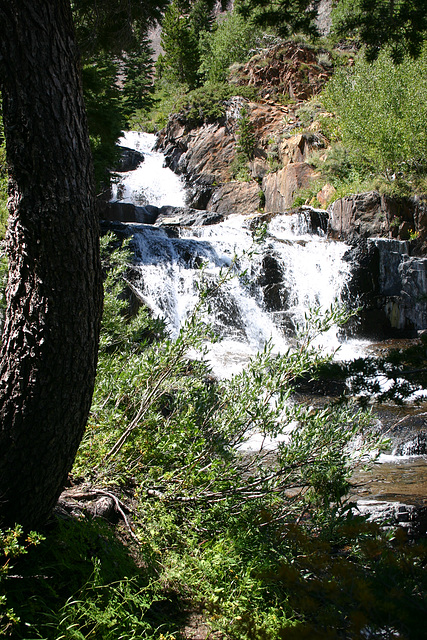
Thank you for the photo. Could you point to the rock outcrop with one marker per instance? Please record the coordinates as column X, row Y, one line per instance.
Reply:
column 291, row 69
column 371, row 214
column 204, row 153
column 204, row 156
column 281, row 187
column 129, row 159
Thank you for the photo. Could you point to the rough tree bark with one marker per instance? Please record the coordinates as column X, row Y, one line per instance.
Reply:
column 54, row 293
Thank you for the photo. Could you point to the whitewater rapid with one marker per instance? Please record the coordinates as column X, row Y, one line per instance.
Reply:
column 171, row 269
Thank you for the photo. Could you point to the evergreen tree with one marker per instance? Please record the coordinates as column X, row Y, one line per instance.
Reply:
column 105, row 113
column 400, row 24
column 285, row 16
column 179, row 63
column 183, row 24
column 138, row 69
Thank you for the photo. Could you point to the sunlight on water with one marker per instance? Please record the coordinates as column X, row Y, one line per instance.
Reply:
column 151, row 183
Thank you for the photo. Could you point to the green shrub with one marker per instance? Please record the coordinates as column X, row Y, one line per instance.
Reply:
column 13, row 544
column 208, row 103
column 232, row 40
column 264, row 545
column 381, row 111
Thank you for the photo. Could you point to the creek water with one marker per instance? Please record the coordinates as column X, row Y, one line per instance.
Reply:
column 295, row 268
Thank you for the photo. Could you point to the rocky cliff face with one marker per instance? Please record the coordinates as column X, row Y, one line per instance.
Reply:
column 205, row 154
column 292, row 70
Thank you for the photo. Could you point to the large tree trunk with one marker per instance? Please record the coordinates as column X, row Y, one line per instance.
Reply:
column 54, row 293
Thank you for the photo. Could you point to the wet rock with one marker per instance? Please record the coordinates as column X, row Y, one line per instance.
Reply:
column 389, row 284
column 129, row 159
column 416, row 446
column 186, row 217
column 317, row 218
column 363, row 290
column 126, row 212
column 413, row 276
column 411, row 518
column 391, row 253
column 271, row 282
column 199, row 192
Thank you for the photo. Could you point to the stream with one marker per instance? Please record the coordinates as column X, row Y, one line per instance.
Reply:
column 295, row 268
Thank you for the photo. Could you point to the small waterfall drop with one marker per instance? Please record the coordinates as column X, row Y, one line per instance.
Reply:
column 151, row 183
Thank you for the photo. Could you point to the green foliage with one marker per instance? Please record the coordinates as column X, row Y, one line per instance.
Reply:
column 179, row 63
column 231, row 40
column 381, row 112
column 112, row 38
column 394, row 377
column 104, row 112
column 113, row 26
column 79, row 583
column 246, row 140
column 13, row 544
column 264, row 544
column 138, row 70
column 400, row 25
column 166, row 97
column 182, row 26
column 160, row 422
column 286, row 17
column 208, row 103
column 309, row 111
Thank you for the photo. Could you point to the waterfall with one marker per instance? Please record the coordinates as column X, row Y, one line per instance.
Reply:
column 151, row 183
column 275, row 282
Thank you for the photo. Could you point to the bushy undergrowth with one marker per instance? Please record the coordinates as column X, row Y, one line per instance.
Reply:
column 208, row 103
column 263, row 543
column 380, row 109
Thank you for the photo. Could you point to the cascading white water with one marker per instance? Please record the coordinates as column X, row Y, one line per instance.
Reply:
column 310, row 269
column 151, row 183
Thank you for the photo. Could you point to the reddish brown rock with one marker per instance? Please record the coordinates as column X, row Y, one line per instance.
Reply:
column 326, row 194
column 280, row 187
column 291, row 69
column 236, row 197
